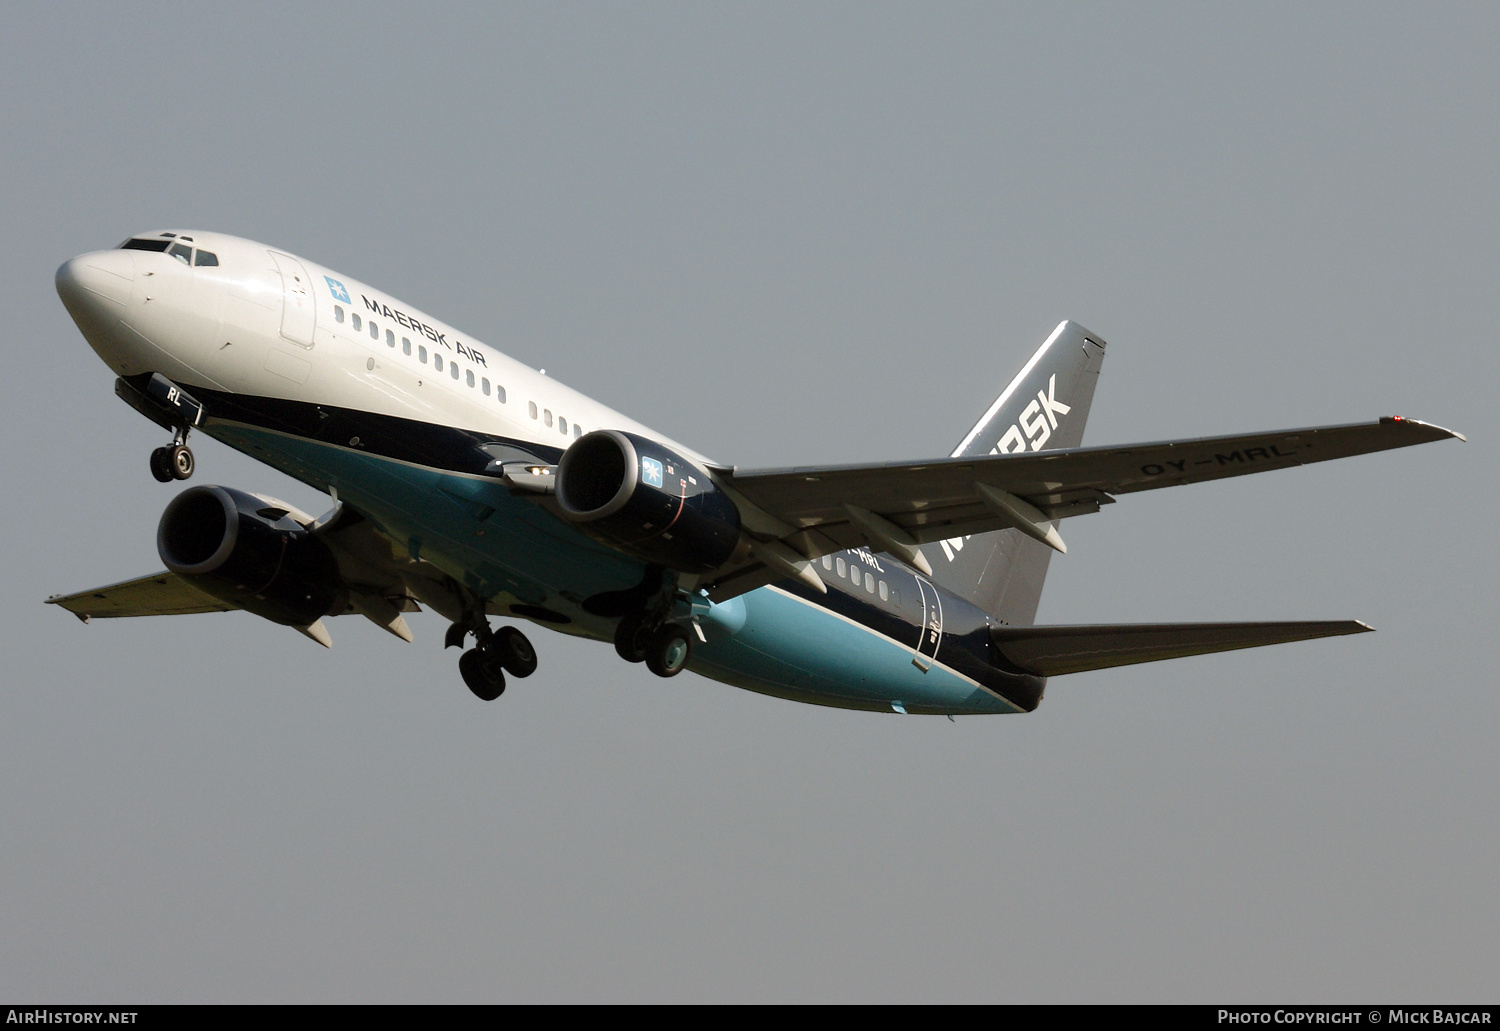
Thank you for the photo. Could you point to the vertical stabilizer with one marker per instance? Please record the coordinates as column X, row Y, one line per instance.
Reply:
column 1044, row 407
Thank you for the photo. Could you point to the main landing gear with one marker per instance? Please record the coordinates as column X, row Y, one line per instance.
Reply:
column 175, row 461
column 495, row 653
column 664, row 648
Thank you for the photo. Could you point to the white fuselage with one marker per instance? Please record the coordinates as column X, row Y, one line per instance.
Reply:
column 238, row 327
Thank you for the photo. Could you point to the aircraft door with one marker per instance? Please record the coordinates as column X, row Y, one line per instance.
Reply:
column 932, row 626
column 296, row 300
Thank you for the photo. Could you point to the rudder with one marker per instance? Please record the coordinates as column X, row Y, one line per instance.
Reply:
column 1044, row 407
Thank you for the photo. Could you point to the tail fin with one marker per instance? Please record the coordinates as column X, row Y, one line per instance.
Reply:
column 1044, row 407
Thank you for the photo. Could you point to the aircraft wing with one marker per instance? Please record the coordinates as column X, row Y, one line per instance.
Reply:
column 1051, row 651
column 160, row 594
column 818, row 510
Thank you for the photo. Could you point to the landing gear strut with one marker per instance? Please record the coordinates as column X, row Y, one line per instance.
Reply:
column 495, row 653
column 175, row 461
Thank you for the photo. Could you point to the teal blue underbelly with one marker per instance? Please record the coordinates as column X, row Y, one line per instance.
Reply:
column 474, row 530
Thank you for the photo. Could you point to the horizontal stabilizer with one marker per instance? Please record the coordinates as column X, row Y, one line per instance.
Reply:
column 160, row 594
column 1051, row 651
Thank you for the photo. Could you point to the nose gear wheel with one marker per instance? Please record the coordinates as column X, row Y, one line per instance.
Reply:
column 174, row 461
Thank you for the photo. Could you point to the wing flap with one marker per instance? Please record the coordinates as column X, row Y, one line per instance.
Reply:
column 1050, row 651
column 160, row 594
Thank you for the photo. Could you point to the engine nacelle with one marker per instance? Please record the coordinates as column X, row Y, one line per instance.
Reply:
column 636, row 495
column 250, row 552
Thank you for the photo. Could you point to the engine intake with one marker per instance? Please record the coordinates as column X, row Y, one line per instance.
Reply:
column 250, row 552
column 645, row 499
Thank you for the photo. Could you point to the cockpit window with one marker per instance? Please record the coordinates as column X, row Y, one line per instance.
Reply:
column 145, row 245
column 182, row 252
column 205, row 258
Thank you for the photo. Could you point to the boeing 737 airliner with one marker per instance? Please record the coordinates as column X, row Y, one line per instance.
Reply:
column 471, row 484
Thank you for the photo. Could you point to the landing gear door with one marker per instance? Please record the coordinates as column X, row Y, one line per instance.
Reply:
column 932, row 626
column 296, row 300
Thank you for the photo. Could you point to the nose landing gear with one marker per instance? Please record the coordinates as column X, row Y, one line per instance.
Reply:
column 175, row 461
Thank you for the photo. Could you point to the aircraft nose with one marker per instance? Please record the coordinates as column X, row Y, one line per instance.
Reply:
column 83, row 282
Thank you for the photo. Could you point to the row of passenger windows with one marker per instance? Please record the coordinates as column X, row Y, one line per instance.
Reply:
column 855, row 573
column 356, row 323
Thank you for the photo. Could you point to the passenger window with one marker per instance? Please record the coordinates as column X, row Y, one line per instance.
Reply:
column 207, row 258
column 422, row 355
column 547, row 416
column 406, row 345
column 870, row 582
column 484, row 385
column 562, row 424
column 577, row 431
column 532, row 406
column 499, row 393
column 338, row 313
column 374, row 331
column 885, row 593
column 390, row 339
column 437, row 361
column 354, row 321
column 182, row 252
column 453, row 368
column 840, row 564
column 827, row 561
column 469, row 378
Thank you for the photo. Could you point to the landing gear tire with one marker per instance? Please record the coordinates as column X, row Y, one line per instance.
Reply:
column 161, row 465
column 630, row 643
column 484, row 678
column 668, row 651
column 180, row 461
column 514, row 652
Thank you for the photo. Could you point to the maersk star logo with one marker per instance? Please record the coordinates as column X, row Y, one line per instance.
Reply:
column 337, row 289
column 651, row 471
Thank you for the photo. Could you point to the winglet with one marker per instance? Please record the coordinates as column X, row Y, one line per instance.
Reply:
column 1436, row 432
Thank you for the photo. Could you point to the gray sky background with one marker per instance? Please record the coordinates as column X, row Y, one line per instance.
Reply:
column 786, row 234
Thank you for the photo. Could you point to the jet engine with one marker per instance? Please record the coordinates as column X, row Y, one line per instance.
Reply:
column 645, row 499
column 250, row 552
